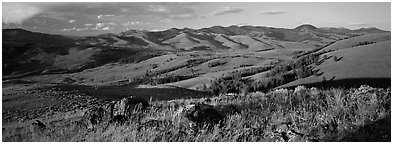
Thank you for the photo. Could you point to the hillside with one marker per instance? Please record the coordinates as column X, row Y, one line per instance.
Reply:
column 369, row 63
column 360, row 40
column 25, row 51
column 188, row 58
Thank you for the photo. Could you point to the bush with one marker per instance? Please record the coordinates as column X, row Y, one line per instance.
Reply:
column 337, row 59
column 217, row 63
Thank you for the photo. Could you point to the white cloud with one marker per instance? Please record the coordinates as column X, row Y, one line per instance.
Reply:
column 16, row 13
column 183, row 16
column 157, row 8
column 69, row 29
column 103, row 16
column 102, row 25
column 98, row 26
column 82, row 29
column 227, row 10
column 273, row 12
column 132, row 23
column 71, row 21
column 107, row 28
column 75, row 29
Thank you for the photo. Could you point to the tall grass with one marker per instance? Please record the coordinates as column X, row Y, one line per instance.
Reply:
column 303, row 114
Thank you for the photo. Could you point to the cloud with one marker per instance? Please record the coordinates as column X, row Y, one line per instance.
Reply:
column 74, row 29
column 227, row 10
column 16, row 13
column 273, row 12
column 107, row 28
column 103, row 16
column 98, row 26
column 132, row 23
column 103, row 26
column 183, row 16
column 49, row 16
column 157, row 8
column 71, row 21
column 54, row 15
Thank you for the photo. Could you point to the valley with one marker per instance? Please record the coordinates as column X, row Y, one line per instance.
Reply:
column 48, row 77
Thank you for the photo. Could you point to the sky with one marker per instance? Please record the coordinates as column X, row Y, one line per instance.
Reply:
column 92, row 18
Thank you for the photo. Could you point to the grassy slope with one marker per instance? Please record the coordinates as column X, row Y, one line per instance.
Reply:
column 228, row 43
column 186, row 42
column 110, row 73
column 252, row 43
column 75, row 58
column 298, row 45
column 369, row 61
column 217, row 72
column 348, row 43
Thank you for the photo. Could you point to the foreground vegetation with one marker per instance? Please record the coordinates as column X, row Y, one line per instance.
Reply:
column 302, row 114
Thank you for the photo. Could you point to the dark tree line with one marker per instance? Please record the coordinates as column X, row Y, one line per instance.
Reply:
column 170, row 79
column 217, row 63
column 234, row 82
column 277, row 75
column 363, row 43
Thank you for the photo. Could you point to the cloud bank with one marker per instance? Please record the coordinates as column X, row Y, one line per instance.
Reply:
column 273, row 12
column 227, row 10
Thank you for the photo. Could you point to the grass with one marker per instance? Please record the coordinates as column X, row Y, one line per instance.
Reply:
column 359, row 63
column 303, row 114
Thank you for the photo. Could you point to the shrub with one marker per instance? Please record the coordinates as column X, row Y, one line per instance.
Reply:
column 217, row 63
column 337, row 59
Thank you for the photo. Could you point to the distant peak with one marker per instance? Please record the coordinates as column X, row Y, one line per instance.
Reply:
column 370, row 30
column 133, row 32
column 187, row 29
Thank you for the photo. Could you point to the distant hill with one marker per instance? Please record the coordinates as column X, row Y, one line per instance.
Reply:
column 20, row 46
column 217, row 37
column 32, row 53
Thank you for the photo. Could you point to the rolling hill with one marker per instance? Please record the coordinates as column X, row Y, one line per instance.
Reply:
column 55, row 80
column 188, row 58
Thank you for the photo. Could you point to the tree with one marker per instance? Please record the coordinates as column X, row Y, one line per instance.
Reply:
column 336, row 59
column 325, row 57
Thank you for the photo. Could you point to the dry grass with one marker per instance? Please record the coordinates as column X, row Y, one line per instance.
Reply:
column 302, row 114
